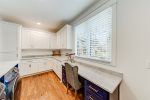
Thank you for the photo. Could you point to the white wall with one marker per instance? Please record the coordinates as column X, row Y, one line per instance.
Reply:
column 133, row 38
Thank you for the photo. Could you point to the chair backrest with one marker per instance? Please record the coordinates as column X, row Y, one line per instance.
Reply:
column 72, row 76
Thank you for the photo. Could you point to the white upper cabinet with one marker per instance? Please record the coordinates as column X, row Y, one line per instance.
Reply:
column 64, row 37
column 9, row 41
column 40, row 40
column 26, row 40
column 53, row 42
column 37, row 40
column 58, row 40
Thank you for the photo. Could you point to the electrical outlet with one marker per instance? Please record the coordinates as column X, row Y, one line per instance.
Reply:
column 147, row 64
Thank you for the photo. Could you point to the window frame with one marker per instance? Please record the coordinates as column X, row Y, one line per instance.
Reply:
column 110, row 3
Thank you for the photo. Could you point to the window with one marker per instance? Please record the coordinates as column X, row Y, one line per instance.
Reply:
column 94, row 37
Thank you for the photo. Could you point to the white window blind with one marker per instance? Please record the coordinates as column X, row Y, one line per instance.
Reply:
column 94, row 37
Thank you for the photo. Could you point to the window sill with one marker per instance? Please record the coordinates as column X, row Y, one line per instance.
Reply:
column 93, row 61
column 106, row 66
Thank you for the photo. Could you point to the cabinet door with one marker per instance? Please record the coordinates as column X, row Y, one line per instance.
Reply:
column 35, row 40
column 40, row 40
column 46, row 65
column 64, row 38
column 58, row 69
column 26, row 39
column 59, row 40
column 45, row 40
column 50, row 64
column 24, row 69
column 34, row 67
column 43, row 65
column 8, row 37
column 53, row 41
column 8, row 41
column 54, row 67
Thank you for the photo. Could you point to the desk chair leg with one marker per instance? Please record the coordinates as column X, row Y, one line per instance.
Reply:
column 75, row 94
column 67, row 88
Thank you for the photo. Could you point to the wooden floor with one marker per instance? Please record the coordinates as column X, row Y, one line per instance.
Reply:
column 45, row 86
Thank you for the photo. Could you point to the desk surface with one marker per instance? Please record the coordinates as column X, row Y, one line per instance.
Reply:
column 101, row 78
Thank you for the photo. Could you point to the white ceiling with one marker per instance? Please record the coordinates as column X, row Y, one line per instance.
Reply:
column 52, row 14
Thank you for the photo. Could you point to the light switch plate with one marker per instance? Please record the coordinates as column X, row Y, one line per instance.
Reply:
column 147, row 64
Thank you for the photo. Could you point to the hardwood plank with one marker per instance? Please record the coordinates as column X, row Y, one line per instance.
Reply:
column 45, row 86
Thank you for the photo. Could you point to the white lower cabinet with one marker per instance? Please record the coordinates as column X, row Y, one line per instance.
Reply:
column 47, row 65
column 43, row 65
column 25, row 68
column 29, row 67
column 34, row 66
column 57, row 68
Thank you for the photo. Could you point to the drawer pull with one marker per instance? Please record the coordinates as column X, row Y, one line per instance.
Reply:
column 93, row 89
column 90, row 97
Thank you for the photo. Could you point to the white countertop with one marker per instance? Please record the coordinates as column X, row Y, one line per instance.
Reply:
column 6, row 66
column 101, row 78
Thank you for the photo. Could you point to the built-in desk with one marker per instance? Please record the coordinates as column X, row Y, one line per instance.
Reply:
column 99, row 84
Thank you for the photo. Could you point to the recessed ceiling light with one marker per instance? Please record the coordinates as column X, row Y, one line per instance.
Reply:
column 38, row 23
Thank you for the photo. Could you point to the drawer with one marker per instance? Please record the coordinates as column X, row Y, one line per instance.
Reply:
column 63, row 74
column 91, row 96
column 89, row 86
column 63, row 67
